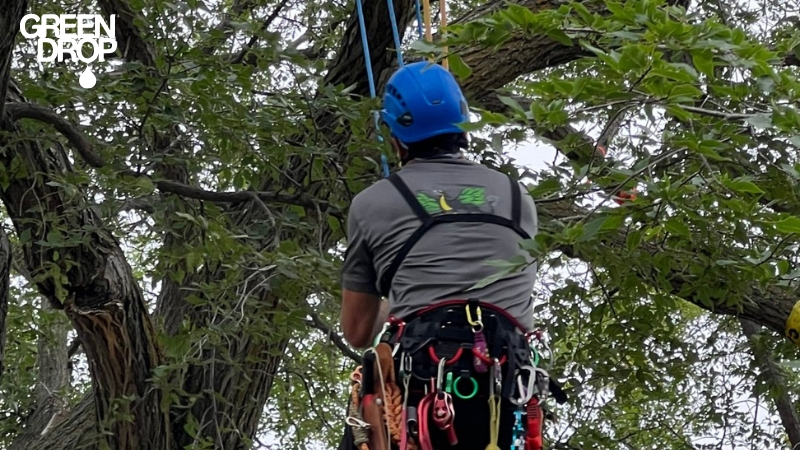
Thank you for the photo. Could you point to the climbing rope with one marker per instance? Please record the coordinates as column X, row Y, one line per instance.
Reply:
column 398, row 50
column 392, row 411
column 368, row 62
column 443, row 24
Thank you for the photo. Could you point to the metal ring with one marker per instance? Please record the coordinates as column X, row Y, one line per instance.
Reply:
column 462, row 396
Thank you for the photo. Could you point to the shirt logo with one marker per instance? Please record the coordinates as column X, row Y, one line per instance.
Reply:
column 468, row 200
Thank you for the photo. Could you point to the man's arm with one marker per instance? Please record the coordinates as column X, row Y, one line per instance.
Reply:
column 362, row 308
column 363, row 316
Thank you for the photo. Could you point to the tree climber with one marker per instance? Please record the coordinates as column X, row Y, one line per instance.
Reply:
column 457, row 358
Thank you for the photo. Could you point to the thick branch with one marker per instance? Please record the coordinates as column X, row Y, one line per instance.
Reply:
column 130, row 43
column 10, row 16
column 52, row 379
column 95, row 287
column 769, row 306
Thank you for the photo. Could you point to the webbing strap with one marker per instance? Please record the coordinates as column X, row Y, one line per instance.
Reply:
column 429, row 222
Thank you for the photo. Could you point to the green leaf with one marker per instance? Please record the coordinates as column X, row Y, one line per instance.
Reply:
column 677, row 227
column 679, row 113
column 424, row 46
column 760, row 120
column 511, row 103
column 703, row 60
column 788, row 225
column 546, row 186
column 744, row 186
column 506, row 267
column 458, row 67
column 560, row 36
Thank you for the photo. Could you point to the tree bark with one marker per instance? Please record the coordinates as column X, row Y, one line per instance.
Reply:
column 52, row 379
column 5, row 278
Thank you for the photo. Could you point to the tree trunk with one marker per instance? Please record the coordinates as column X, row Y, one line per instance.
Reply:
column 53, row 379
column 776, row 382
column 5, row 276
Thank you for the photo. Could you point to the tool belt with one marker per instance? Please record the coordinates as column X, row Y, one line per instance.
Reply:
column 444, row 349
column 445, row 332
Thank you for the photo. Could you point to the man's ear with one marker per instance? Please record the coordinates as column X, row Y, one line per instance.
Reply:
column 401, row 151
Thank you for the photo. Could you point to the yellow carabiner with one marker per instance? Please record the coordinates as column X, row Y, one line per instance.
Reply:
column 476, row 323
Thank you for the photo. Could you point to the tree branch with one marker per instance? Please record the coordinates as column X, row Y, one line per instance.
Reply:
column 18, row 111
column 130, row 43
column 317, row 322
column 96, row 290
column 769, row 306
column 12, row 13
column 84, row 148
column 264, row 27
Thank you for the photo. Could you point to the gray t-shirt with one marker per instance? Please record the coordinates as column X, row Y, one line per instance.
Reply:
column 451, row 257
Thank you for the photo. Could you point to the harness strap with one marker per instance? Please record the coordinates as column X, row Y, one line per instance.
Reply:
column 429, row 222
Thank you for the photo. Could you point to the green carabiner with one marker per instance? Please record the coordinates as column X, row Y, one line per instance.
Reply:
column 534, row 356
column 462, row 396
column 448, row 387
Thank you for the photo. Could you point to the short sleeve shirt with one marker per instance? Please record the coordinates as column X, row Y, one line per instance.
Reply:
column 450, row 258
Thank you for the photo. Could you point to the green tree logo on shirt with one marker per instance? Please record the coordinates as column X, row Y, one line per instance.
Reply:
column 471, row 199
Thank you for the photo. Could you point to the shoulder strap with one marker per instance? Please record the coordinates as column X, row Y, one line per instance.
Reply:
column 408, row 196
column 516, row 203
column 429, row 221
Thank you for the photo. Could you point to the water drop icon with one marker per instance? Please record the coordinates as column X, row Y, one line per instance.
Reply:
column 87, row 79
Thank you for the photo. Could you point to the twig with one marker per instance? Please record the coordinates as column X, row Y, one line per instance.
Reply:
column 274, row 15
column 317, row 322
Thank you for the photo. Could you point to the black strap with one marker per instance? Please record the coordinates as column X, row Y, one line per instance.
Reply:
column 408, row 196
column 429, row 221
column 516, row 204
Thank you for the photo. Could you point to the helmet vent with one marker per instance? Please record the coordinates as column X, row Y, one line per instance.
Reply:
column 405, row 120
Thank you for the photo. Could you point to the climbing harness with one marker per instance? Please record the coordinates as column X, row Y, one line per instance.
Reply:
column 437, row 372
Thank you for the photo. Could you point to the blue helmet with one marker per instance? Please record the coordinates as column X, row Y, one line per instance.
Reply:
column 423, row 100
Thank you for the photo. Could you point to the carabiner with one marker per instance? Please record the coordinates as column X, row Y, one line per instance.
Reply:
column 477, row 325
column 440, row 375
column 496, row 384
column 525, row 392
column 405, row 365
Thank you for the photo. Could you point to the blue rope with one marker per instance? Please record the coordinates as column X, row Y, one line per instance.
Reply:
column 395, row 33
column 368, row 59
column 364, row 45
column 419, row 18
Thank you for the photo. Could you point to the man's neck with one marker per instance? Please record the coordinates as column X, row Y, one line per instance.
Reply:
column 443, row 156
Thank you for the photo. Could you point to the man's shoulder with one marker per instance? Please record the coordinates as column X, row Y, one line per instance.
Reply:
column 371, row 197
